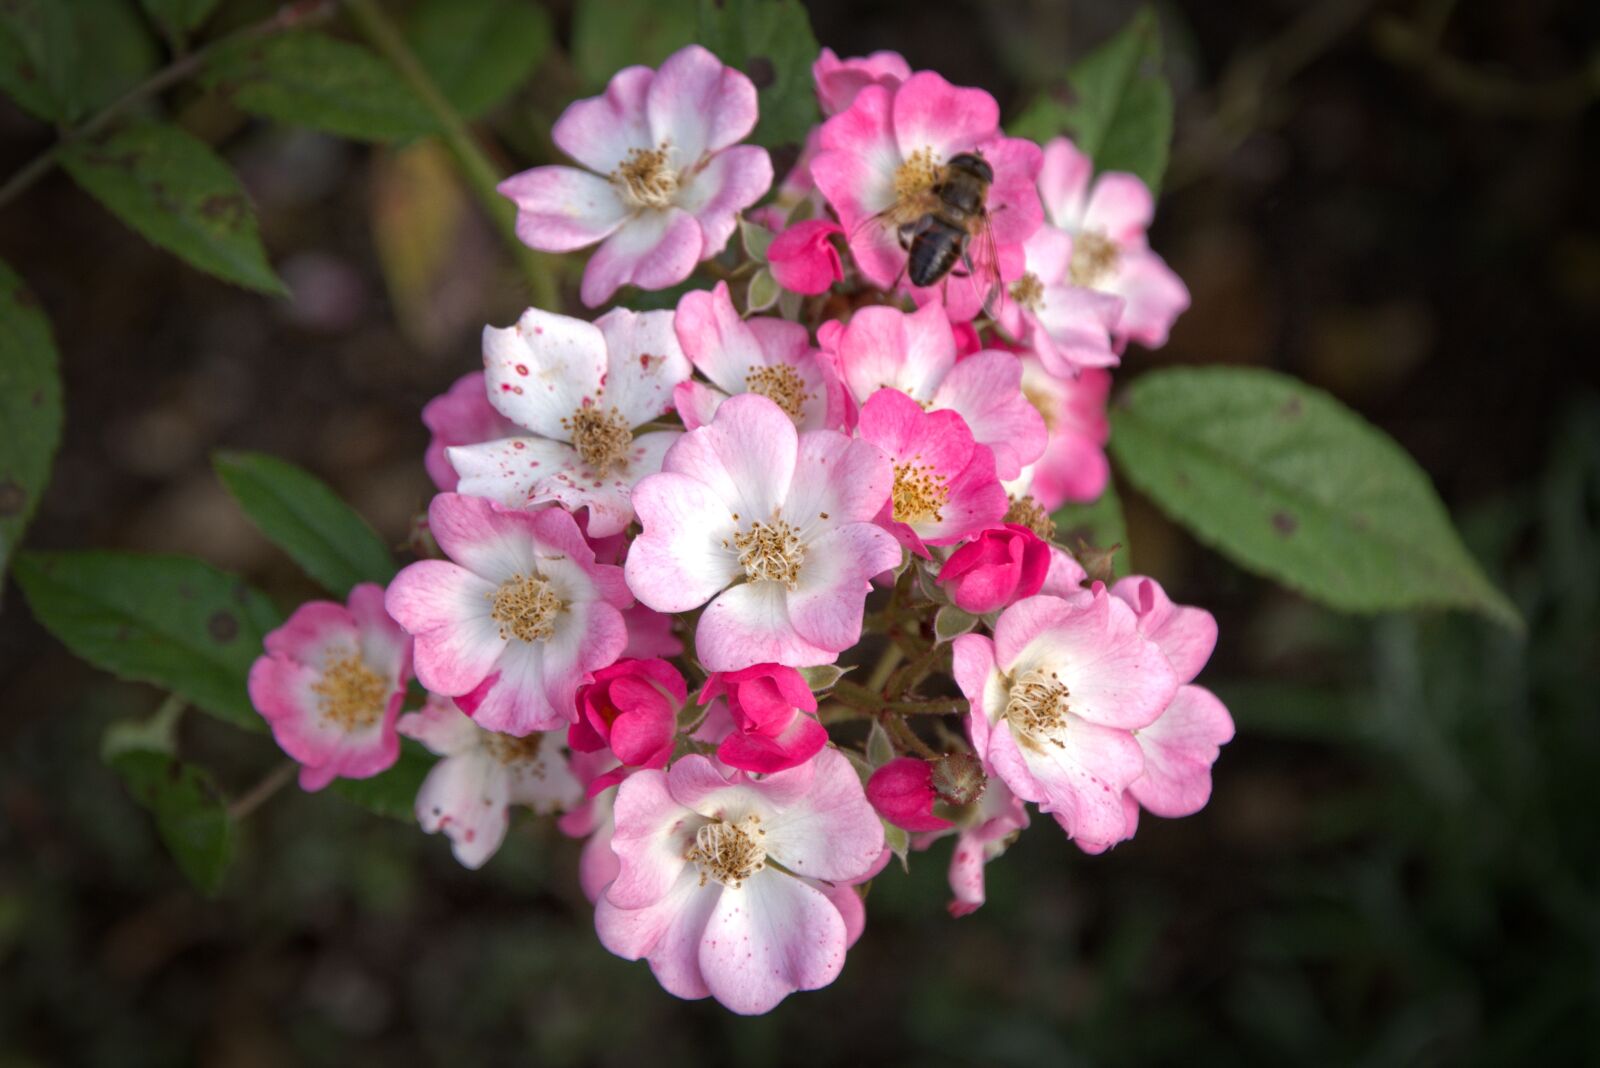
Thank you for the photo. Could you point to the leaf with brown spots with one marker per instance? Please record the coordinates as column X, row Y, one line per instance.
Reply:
column 171, row 188
column 30, row 408
column 1288, row 482
column 125, row 613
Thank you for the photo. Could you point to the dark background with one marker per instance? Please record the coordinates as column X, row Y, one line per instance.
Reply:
column 1400, row 864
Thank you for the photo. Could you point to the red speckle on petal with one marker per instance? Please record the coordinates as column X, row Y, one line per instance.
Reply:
column 505, row 387
column 522, row 369
column 518, row 445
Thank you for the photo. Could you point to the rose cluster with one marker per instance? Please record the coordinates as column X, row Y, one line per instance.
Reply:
column 762, row 590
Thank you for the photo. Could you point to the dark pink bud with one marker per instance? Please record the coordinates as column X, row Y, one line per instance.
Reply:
column 1000, row 566
column 769, row 705
column 632, row 708
column 803, row 259
column 902, row 792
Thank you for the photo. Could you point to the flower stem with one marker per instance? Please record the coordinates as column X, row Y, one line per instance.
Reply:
column 287, row 17
column 270, row 783
column 869, row 700
column 480, row 174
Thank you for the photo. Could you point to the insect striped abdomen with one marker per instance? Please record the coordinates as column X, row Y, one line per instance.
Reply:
column 934, row 251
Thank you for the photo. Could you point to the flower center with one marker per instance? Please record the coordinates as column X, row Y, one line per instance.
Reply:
column 918, row 174
column 771, row 551
column 1028, row 291
column 350, row 693
column 781, row 385
column 1044, row 403
column 919, row 492
column 601, row 436
column 728, row 853
column 1094, row 256
column 508, row 749
column 1027, row 512
column 526, row 608
column 1037, row 707
column 646, row 179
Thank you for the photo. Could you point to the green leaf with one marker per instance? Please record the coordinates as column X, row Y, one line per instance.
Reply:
column 123, row 49
column 306, row 519
column 190, row 812
column 179, row 17
column 478, row 51
column 880, row 750
column 1121, row 112
column 950, row 622
column 608, row 35
column 1288, row 482
column 170, row 187
column 40, row 59
column 30, row 408
column 392, row 793
column 1099, row 525
column 898, row 839
column 771, row 41
column 168, row 620
column 762, row 292
column 311, row 79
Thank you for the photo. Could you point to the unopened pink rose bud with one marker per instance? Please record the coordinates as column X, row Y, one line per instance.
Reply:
column 1000, row 566
column 902, row 792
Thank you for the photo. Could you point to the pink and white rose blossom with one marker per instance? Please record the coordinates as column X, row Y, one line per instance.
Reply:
column 513, row 620
column 763, row 354
column 916, row 354
column 1182, row 744
column 1070, row 327
column 665, row 178
column 1106, row 220
column 583, row 389
column 460, row 416
column 773, row 712
column 944, row 482
column 740, row 888
column 838, row 81
column 1056, row 698
column 772, row 527
column 331, row 684
column 469, row 793
column 1074, row 465
column 881, row 157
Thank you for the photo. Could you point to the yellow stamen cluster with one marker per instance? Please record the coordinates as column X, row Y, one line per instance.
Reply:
column 781, row 385
column 350, row 693
column 601, row 436
column 919, row 493
column 1028, row 291
column 1027, row 512
column 1094, row 256
column 508, row 749
column 771, row 552
column 526, row 608
column 646, row 178
column 913, row 182
column 728, row 853
column 1037, row 708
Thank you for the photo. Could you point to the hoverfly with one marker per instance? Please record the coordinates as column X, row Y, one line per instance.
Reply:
column 939, row 225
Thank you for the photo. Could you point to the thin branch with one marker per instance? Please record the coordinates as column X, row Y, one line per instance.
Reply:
column 287, row 17
column 270, row 783
column 1417, row 49
column 480, row 174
